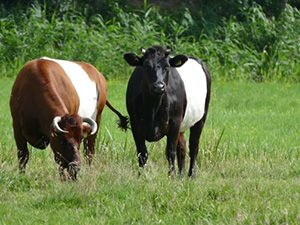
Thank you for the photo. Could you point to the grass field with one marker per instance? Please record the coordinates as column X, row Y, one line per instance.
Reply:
column 252, row 176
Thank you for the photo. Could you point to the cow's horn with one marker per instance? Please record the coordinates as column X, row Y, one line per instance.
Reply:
column 92, row 123
column 143, row 50
column 56, row 126
column 168, row 50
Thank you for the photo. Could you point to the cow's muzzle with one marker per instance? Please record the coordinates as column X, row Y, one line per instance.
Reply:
column 158, row 88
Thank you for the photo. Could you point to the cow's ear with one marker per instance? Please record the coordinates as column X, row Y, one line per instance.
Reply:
column 132, row 59
column 178, row 60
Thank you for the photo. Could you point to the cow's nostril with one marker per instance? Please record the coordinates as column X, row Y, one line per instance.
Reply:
column 160, row 85
column 159, row 88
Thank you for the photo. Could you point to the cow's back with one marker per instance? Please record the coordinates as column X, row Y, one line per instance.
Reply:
column 195, row 84
column 85, row 87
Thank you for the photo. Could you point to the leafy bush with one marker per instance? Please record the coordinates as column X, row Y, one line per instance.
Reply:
column 256, row 47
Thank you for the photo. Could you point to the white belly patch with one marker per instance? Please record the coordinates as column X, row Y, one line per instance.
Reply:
column 195, row 83
column 84, row 86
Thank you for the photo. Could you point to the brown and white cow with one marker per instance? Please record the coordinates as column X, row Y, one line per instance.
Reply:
column 59, row 102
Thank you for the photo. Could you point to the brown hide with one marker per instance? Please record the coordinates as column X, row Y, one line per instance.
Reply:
column 42, row 91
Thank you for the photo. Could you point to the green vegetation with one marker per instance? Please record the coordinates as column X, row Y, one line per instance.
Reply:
column 249, row 164
column 247, row 45
column 251, row 177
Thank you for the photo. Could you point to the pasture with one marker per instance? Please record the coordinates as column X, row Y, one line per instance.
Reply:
column 248, row 168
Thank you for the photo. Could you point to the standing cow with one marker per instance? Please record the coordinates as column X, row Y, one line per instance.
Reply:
column 166, row 96
column 58, row 102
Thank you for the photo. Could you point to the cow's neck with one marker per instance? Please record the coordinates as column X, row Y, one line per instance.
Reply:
column 155, row 117
column 156, row 109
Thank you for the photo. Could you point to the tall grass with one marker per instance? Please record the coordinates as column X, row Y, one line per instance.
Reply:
column 258, row 47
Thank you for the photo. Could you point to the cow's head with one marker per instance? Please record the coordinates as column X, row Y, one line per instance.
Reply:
column 67, row 134
column 156, row 63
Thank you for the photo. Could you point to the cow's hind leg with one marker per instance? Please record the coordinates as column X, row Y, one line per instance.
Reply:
column 195, row 133
column 172, row 140
column 181, row 152
column 23, row 153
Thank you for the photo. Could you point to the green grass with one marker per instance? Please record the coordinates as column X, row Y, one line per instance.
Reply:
column 251, row 177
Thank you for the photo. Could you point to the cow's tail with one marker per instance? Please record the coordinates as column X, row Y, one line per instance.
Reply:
column 123, row 120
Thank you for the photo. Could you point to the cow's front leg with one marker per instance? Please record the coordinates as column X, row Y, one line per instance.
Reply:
column 89, row 148
column 141, row 148
column 142, row 152
column 172, row 140
column 89, row 141
column 62, row 166
column 23, row 153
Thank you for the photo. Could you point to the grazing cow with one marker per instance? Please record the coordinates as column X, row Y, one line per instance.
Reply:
column 59, row 102
column 166, row 96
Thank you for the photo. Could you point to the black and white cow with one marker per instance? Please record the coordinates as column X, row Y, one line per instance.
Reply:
column 166, row 96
